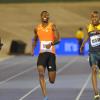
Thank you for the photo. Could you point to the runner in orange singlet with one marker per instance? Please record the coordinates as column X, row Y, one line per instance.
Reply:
column 48, row 35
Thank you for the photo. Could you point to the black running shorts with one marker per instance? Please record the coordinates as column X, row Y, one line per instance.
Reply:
column 47, row 60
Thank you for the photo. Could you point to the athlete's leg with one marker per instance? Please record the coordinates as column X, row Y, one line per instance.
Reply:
column 52, row 68
column 41, row 70
column 94, row 79
column 52, row 76
column 98, row 60
column 41, row 66
column 98, row 64
column 93, row 60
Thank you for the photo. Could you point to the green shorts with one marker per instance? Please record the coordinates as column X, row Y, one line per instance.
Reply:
column 94, row 59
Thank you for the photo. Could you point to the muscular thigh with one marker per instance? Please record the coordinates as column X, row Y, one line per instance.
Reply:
column 51, row 62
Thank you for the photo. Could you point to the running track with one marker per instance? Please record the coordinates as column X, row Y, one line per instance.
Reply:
column 19, row 79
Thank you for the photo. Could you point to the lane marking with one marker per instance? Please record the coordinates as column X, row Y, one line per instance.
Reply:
column 14, row 64
column 38, row 86
column 83, row 88
column 5, row 81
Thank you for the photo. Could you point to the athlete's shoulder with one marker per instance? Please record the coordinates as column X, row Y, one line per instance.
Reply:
column 89, row 25
column 36, row 27
column 98, row 26
column 53, row 25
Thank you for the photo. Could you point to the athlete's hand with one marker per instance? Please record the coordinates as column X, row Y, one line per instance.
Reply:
column 48, row 46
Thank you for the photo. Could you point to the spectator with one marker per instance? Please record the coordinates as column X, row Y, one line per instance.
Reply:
column 80, row 36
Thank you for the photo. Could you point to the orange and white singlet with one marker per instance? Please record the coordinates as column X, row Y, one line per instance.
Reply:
column 46, row 36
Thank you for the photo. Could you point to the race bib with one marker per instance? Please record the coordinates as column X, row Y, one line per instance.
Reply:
column 95, row 40
column 43, row 46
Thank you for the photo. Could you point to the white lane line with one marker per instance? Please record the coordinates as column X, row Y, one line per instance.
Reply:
column 83, row 88
column 38, row 86
column 14, row 64
column 5, row 81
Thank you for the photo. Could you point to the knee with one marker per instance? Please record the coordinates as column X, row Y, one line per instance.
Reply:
column 41, row 74
column 94, row 69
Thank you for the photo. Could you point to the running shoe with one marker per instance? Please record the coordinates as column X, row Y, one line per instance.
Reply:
column 45, row 98
column 97, row 97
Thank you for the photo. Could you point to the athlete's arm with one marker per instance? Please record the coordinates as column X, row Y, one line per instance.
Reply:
column 85, row 40
column 35, row 40
column 57, row 35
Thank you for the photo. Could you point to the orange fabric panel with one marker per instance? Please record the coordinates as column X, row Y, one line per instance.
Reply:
column 46, row 34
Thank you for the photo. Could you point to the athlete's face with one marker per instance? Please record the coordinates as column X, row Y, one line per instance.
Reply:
column 45, row 17
column 95, row 19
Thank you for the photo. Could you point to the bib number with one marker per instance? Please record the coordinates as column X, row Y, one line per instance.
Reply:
column 43, row 46
column 95, row 40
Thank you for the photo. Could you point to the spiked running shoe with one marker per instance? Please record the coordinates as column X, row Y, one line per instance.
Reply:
column 97, row 97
